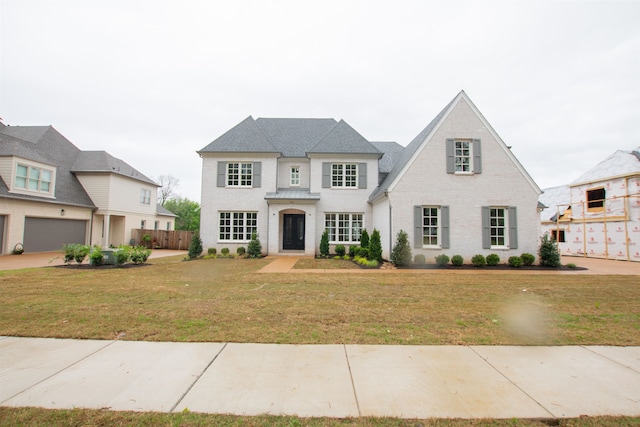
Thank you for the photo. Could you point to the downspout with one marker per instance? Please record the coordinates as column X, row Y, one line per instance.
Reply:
column 606, row 241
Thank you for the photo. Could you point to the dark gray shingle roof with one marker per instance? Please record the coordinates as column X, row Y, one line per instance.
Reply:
column 103, row 162
column 391, row 153
column 291, row 138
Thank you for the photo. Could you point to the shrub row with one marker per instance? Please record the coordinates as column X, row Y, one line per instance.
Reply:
column 479, row 260
column 122, row 254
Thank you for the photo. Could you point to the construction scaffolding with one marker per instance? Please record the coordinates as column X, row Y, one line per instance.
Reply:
column 606, row 228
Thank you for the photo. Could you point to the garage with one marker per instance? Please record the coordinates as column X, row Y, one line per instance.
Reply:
column 48, row 234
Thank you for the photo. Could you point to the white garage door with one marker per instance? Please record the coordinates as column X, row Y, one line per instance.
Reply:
column 47, row 234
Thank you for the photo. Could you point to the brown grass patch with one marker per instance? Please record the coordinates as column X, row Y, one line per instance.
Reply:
column 226, row 300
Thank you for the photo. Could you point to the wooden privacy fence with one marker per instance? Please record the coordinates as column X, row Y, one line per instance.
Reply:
column 162, row 239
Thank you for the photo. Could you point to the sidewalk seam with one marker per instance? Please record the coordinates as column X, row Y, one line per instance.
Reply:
column 59, row 371
column 173, row 408
column 353, row 385
column 608, row 358
column 514, row 384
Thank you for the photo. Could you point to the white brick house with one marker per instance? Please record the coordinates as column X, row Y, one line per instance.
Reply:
column 456, row 189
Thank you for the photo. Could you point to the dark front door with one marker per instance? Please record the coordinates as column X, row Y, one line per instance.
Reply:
column 293, row 235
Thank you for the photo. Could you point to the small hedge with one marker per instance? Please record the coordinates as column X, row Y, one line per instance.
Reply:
column 442, row 260
column 492, row 260
column 457, row 260
column 364, row 262
column 479, row 260
column 515, row 261
column 419, row 259
column 340, row 250
column 528, row 259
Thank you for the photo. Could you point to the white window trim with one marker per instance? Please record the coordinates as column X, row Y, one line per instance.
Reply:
column 41, row 168
column 144, row 199
column 505, row 236
column 335, row 241
column 291, row 176
column 439, row 227
column 240, row 174
column 343, row 176
column 455, row 156
column 231, row 226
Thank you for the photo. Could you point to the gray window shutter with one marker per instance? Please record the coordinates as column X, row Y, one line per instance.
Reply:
column 257, row 175
column 362, row 175
column 326, row 175
column 222, row 174
column 477, row 156
column 444, row 226
column 486, row 228
column 417, row 227
column 450, row 157
column 513, row 228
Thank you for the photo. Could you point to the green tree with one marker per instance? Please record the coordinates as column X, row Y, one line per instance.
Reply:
column 401, row 253
column 375, row 246
column 324, row 243
column 548, row 252
column 364, row 239
column 254, row 250
column 187, row 211
column 195, row 248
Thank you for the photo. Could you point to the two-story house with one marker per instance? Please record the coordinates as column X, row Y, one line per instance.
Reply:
column 52, row 193
column 456, row 188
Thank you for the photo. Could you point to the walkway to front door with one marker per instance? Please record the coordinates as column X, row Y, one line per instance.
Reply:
column 293, row 233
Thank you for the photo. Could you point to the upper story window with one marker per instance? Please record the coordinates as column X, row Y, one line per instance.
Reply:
column 344, row 175
column 295, row 176
column 33, row 178
column 145, row 196
column 595, row 199
column 463, row 156
column 239, row 174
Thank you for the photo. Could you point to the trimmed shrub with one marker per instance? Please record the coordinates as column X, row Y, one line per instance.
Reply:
column 442, row 260
column 212, row 251
column 95, row 256
column 324, row 243
column 479, row 260
column 340, row 250
column 75, row 252
column 515, row 261
column 364, row 239
column 366, row 262
column 255, row 247
column 493, row 260
column 195, row 248
column 548, row 252
column 527, row 259
column 419, row 259
column 401, row 252
column 457, row 260
column 346, row 258
column 241, row 250
column 352, row 250
column 224, row 252
column 375, row 246
column 363, row 253
column 140, row 254
column 572, row 266
column 122, row 254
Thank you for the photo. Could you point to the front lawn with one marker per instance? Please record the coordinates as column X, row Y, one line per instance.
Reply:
column 226, row 300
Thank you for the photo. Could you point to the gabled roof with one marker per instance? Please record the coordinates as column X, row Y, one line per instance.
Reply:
column 411, row 151
column 554, row 199
column 103, row 162
column 620, row 163
column 391, row 152
column 291, row 138
column 44, row 144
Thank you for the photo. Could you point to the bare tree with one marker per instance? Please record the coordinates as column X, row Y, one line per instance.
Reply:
column 168, row 186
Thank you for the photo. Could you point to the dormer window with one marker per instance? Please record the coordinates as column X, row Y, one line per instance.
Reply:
column 31, row 178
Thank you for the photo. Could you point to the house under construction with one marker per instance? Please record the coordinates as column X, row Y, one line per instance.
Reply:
column 598, row 215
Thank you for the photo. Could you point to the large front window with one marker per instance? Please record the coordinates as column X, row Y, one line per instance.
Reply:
column 344, row 227
column 239, row 174
column 33, row 179
column 430, row 226
column 238, row 226
column 498, row 227
column 344, row 175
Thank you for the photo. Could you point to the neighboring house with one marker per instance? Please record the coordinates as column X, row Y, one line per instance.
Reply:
column 598, row 214
column 52, row 193
column 455, row 189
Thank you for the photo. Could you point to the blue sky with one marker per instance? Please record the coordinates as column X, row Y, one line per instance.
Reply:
column 151, row 82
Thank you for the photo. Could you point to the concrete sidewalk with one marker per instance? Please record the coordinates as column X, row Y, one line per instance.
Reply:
column 321, row 380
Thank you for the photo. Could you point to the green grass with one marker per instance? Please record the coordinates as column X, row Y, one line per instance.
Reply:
column 227, row 300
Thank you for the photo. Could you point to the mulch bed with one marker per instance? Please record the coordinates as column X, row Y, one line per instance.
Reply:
column 85, row 266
